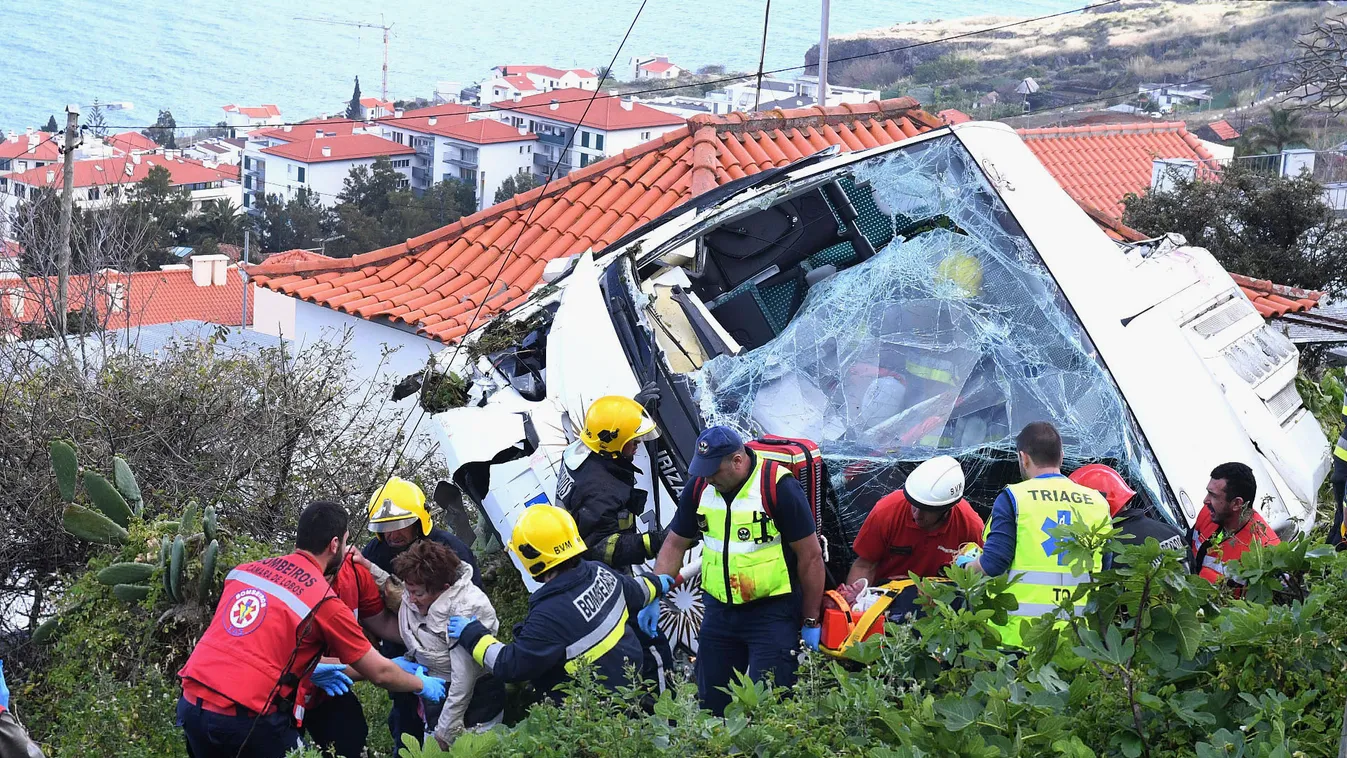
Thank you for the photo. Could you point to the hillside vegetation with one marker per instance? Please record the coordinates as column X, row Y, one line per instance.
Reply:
column 1108, row 51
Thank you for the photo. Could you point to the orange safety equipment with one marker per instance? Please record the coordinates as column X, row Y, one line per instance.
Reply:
column 1107, row 481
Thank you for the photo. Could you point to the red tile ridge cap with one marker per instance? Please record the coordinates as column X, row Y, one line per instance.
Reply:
column 519, row 202
column 705, row 159
column 1092, row 129
column 1267, row 287
column 814, row 115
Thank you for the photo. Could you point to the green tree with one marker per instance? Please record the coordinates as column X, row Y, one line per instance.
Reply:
column 163, row 131
column 300, row 222
column 374, row 216
column 164, row 208
column 1268, row 227
column 96, row 122
column 513, row 185
column 51, row 127
column 1284, row 128
column 219, row 220
column 353, row 109
column 368, row 187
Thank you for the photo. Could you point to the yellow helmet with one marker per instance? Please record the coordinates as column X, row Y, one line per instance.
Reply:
column 398, row 504
column 612, row 421
column 962, row 270
column 544, row 537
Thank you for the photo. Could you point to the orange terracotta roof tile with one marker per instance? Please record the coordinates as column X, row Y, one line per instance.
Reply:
column 436, row 282
column 1273, row 300
column 1101, row 164
column 1223, row 130
column 149, row 297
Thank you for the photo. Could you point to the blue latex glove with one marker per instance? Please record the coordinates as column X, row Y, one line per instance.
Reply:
column 4, row 688
column 432, row 689
column 648, row 619
column 332, row 678
column 405, row 665
column 810, row 635
column 667, row 582
column 456, row 626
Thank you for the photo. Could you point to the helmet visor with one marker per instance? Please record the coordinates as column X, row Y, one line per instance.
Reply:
column 392, row 524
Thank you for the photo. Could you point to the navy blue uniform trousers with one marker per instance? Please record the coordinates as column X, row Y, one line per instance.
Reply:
column 215, row 735
column 759, row 638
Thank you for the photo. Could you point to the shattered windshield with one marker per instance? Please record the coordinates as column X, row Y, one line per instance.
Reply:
column 948, row 340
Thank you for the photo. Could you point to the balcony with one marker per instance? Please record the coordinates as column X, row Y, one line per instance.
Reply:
column 422, row 177
column 544, row 163
column 425, row 149
column 555, row 139
column 462, row 158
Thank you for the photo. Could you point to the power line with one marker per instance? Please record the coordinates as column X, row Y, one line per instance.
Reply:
column 722, row 80
column 505, row 259
column 762, row 55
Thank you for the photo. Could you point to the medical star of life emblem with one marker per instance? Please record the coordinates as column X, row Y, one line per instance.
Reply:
column 246, row 610
column 702, row 447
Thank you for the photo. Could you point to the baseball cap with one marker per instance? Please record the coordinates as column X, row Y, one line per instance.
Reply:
column 712, row 445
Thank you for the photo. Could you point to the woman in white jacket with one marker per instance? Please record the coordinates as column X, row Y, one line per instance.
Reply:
column 438, row 586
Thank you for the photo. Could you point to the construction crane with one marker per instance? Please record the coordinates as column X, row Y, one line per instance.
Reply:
column 361, row 25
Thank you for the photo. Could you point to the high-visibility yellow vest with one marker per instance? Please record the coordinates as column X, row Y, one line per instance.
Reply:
column 1041, row 504
column 1340, row 449
column 742, row 556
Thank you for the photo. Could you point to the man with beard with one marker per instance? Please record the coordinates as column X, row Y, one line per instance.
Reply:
column 242, row 686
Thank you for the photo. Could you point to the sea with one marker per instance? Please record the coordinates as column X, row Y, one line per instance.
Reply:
column 192, row 57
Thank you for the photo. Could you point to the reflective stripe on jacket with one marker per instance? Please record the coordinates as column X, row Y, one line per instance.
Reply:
column 742, row 554
column 256, row 632
column 1041, row 504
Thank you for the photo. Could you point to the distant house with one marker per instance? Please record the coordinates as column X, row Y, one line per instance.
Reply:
column 1166, row 96
column 33, row 149
column 104, row 180
column 658, row 69
column 547, row 78
column 799, row 92
column 226, row 150
column 460, row 142
column 988, row 100
column 321, row 164
column 242, row 119
column 1217, row 131
column 271, row 174
column 606, row 127
column 373, row 107
column 502, row 88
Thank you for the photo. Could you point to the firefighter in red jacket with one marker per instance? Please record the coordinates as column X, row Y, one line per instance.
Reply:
column 242, row 686
column 1227, row 526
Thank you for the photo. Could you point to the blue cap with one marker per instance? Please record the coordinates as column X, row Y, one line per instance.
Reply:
column 712, row 445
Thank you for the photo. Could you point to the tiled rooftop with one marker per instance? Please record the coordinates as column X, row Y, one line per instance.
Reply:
column 435, row 282
column 1273, row 300
column 608, row 112
column 1099, row 165
column 42, row 148
column 129, row 142
column 125, row 170
column 151, row 297
column 260, row 111
column 1223, row 130
column 348, row 148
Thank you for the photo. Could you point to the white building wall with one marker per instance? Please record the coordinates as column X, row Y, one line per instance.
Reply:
column 618, row 141
column 497, row 162
column 326, row 178
column 273, row 313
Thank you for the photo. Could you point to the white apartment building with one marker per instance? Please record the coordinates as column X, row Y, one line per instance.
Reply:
column 227, row 150
column 32, row 149
column 322, row 164
column 242, row 119
column 107, row 180
column 461, row 142
column 611, row 125
column 547, row 78
column 254, row 169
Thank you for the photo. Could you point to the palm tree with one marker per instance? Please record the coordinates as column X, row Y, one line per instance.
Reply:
column 220, row 219
column 1282, row 130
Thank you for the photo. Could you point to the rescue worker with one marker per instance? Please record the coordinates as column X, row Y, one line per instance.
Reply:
column 13, row 737
column 598, row 483
column 335, row 720
column 1128, row 512
column 1337, row 536
column 917, row 529
column 581, row 613
column 762, row 567
column 398, row 517
column 241, row 685
column 1017, row 538
column 1227, row 526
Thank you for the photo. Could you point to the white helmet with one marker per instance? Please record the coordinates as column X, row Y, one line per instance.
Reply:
column 935, row 485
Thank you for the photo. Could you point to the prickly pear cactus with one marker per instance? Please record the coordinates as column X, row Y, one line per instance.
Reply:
column 125, row 482
column 66, row 466
column 106, row 498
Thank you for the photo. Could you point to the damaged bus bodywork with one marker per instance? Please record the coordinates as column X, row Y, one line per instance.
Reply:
column 924, row 298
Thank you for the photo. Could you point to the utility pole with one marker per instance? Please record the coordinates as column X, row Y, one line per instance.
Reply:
column 72, row 119
column 243, row 274
column 361, row 25
column 823, row 58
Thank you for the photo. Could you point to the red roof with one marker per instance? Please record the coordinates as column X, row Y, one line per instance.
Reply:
column 1099, row 165
column 1223, row 130
column 296, row 256
column 151, row 297
column 105, row 171
column 348, row 148
column 373, row 102
column 481, row 131
column 444, row 109
column 555, row 73
column 657, row 67
column 606, row 113
column 45, row 147
column 314, row 127
column 1273, row 300
column 953, row 116
column 260, row 111
column 131, row 142
column 520, row 82
column 436, row 281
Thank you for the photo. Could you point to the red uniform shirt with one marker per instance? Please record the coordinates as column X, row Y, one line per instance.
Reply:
column 893, row 541
column 1226, row 547
column 356, row 587
column 238, row 659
